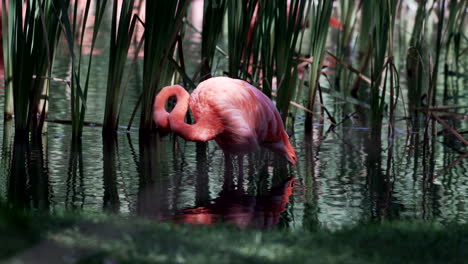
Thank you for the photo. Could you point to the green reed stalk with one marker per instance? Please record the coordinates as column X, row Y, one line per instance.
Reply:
column 163, row 24
column 291, row 16
column 32, row 36
column 7, row 32
column 454, row 35
column 394, row 82
column 120, row 40
column 364, row 46
column 438, row 50
column 320, row 13
column 79, row 83
column 381, row 31
column 401, row 41
column 366, row 27
column 265, row 34
column 348, row 18
column 240, row 17
column 417, row 61
column 213, row 17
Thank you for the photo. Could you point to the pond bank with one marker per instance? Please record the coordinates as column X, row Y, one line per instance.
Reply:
column 42, row 238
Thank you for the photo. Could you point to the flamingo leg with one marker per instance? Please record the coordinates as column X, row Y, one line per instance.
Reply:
column 240, row 164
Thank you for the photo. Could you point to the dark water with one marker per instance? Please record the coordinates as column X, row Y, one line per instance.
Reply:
column 344, row 177
column 341, row 179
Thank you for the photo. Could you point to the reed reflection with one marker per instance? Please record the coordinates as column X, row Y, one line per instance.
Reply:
column 380, row 181
column 39, row 173
column 153, row 189
column 111, row 201
column 429, row 189
column 311, row 209
column 17, row 183
column 7, row 147
column 75, row 190
column 202, row 189
column 28, row 181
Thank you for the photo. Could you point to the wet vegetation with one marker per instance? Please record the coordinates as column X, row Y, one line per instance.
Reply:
column 373, row 94
column 266, row 44
column 98, row 239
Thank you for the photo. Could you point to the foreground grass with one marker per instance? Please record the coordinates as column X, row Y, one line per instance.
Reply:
column 28, row 237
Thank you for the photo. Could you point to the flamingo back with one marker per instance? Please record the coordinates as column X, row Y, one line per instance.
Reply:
column 248, row 117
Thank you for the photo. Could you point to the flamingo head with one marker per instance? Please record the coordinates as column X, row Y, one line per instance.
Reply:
column 288, row 150
column 161, row 119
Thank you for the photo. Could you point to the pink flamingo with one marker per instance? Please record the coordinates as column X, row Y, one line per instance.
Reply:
column 238, row 116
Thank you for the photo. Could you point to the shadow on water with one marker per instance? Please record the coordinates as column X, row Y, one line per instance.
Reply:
column 111, row 201
column 28, row 180
column 235, row 205
column 75, row 185
column 344, row 177
column 202, row 189
column 152, row 198
column 158, row 196
column 378, row 181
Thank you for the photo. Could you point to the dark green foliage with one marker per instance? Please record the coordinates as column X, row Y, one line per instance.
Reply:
column 140, row 241
column 417, row 62
column 213, row 17
column 454, row 35
column 263, row 45
column 345, row 44
column 29, row 46
column 79, row 84
column 319, row 24
column 264, row 38
column 120, row 40
column 241, row 15
column 376, row 50
column 160, row 34
column 290, row 17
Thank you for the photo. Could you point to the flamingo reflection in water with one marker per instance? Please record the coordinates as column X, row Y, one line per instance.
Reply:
column 234, row 206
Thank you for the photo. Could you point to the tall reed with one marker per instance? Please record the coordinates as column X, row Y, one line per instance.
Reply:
column 344, row 45
column 455, row 30
column 265, row 35
column 123, row 26
column 291, row 17
column 383, row 19
column 213, row 16
column 241, row 22
column 7, row 38
column 32, row 35
column 160, row 34
column 364, row 45
column 417, row 61
column 320, row 13
column 438, row 51
column 80, row 77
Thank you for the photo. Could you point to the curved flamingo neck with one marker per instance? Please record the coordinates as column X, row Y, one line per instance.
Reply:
column 160, row 115
column 177, row 116
column 203, row 130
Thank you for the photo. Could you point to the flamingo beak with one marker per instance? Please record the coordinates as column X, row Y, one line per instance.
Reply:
column 291, row 157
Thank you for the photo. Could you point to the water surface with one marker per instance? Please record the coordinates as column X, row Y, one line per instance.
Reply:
column 345, row 176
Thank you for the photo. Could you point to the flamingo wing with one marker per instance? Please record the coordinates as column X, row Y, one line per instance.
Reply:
column 239, row 108
column 240, row 116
